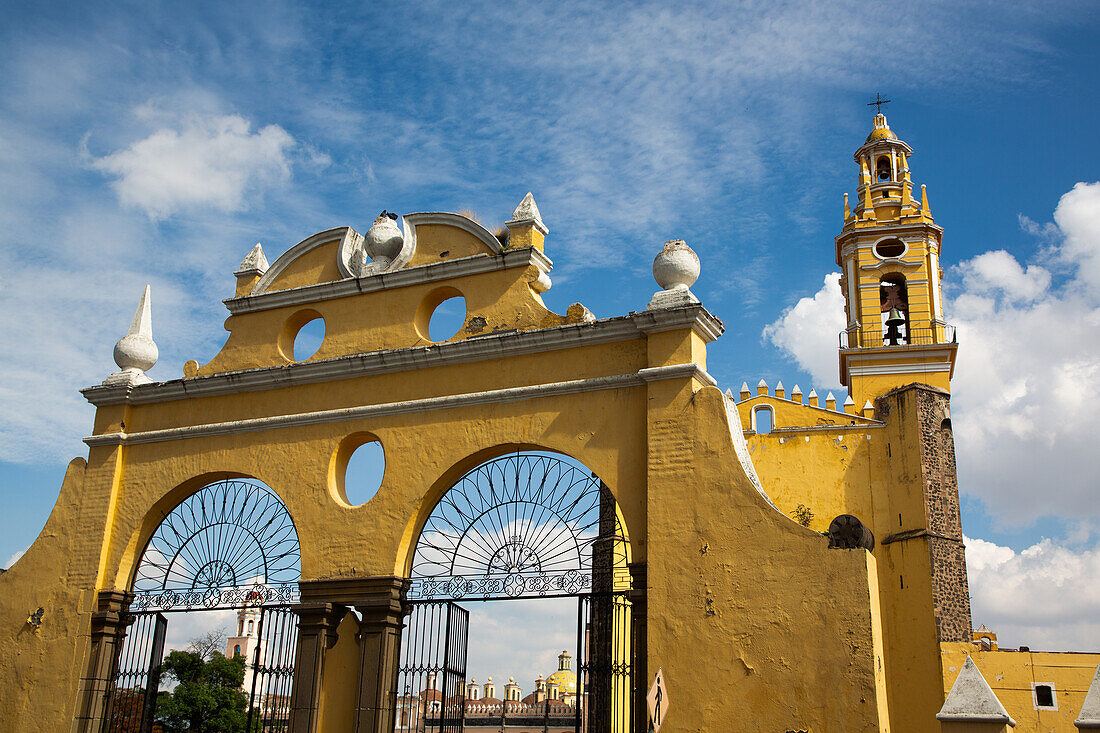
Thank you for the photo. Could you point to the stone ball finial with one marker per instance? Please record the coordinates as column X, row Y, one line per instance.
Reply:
column 384, row 239
column 676, row 266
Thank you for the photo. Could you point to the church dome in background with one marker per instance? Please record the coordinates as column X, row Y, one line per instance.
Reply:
column 564, row 678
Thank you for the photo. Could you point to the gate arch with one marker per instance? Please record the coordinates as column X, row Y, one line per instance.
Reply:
column 230, row 539
column 229, row 546
column 528, row 523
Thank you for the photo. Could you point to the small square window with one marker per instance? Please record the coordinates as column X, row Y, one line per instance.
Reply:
column 1044, row 697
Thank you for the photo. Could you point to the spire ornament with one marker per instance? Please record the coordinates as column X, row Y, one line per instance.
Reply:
column 525, row 228
column 254, row 263
column 136, row 353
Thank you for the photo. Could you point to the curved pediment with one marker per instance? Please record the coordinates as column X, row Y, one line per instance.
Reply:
column 378, row 291
column 339, row 253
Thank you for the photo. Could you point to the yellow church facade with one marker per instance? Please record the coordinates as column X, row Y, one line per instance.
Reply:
column 808, row 557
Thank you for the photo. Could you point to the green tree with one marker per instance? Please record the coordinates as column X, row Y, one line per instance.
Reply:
column 207, row 697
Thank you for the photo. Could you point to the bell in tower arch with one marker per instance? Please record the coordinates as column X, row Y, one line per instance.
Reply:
column 883, row 169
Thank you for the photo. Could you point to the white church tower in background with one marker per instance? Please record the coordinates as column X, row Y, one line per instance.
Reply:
column 244, row 643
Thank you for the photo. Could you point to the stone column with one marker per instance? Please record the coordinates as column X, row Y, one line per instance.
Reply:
column 317, row 623
column 109, row 622
column 381, row 601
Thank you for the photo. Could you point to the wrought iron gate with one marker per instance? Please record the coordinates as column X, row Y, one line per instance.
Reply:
column 273, row 670
column 431, row 681
column 269, row 674
column 136, row 679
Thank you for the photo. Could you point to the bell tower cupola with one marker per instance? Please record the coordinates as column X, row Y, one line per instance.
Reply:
column 889, row 255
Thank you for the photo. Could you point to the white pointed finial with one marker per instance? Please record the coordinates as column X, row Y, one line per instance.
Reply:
column 796, row 390
column 971, row 700
column 527, row 213
column 813, row 393
column 849, row 401
column 729, row 394
column 254, row 263
column 136, row 353
column 779, row 385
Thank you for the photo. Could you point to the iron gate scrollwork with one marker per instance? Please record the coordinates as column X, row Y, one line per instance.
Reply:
column 525, row 524
column 220, row 548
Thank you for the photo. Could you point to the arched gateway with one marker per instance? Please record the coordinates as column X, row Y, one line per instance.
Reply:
column 523, row 526
column 228, row 550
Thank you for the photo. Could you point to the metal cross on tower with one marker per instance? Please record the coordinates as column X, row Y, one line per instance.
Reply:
column 878, row 102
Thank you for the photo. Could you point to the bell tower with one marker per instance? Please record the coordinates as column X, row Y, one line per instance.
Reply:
column 889, row 254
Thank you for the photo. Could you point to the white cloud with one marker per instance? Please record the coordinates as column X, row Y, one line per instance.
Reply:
column 808, row 332
column 1027, row 379
column 1046, row 596
column 211, row 161
column 998, row 273
column 1078, row 217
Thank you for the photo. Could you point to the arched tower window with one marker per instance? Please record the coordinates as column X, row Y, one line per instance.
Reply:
column 237, row 650
column 894, row 304
column 250, row 623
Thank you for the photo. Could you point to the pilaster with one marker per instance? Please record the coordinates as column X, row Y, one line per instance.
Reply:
column 109, row 622
column 383, row 609
column 317, row 623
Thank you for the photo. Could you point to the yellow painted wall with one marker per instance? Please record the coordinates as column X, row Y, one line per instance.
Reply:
column 872, row 469
column 1011, row 674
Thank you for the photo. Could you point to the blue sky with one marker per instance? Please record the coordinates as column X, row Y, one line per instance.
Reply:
column 157, row 142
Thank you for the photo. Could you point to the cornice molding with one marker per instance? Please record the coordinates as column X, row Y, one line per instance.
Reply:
column 428, row 404
column 479, row 348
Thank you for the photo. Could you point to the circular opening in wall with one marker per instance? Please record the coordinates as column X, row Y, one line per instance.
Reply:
column 890, row 248
column 447, row 318
column 308, row 340
column 364, row 472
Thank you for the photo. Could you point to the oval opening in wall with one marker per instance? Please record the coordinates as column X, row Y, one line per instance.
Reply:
column 309, row 338
column 447, row 318
column 363, row 476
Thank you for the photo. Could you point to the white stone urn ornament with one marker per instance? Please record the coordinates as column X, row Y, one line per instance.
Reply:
column 675, row 268
column 384, row 240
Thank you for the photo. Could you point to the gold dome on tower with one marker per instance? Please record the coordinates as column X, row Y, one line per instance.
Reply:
column 881, row 130
column 565, row 678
